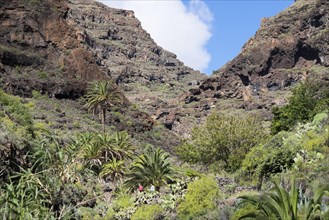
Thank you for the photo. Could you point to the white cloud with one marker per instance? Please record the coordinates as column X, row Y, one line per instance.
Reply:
column 184, row 30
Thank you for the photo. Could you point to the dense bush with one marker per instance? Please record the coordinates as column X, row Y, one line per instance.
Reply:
column 222, row 138
column 13, row 108
column 148, row 212
column 307, row 100
column 200, row 198
column 301, row 150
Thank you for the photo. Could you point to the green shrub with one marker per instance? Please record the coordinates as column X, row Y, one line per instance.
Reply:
column 148, row 212
column 200, row 198
column 224, row 139
column 308, row 99
column 301, row 147
column 122, row 208
column 42, row 74
column 320, row 118
column 87, row 213
column 269, row 158
column 38, row 95
column 123, row 202
column 15, row 109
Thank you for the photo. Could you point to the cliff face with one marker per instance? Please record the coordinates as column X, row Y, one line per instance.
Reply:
column 57, row 46
column 287, row 48
column 40, row 50
column 150, row 76
column 127, row 51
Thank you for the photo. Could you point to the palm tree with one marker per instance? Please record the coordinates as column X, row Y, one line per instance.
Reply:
column 114, row 170
column 105, row 143
column 279, row 204
column 103, row 95
column 91, row 153
column 152, row 168
column 122, row 143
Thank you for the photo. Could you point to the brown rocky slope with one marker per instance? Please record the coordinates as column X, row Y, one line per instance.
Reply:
column 56, row 47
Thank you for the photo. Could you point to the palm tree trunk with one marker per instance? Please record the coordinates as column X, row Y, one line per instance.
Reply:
column 103, row 118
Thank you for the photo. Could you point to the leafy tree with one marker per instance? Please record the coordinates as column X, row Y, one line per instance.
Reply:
column 153, row 168
column 103, row 95
column 224, row 138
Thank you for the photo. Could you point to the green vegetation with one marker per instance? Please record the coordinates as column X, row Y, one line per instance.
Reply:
column 300, row 150
column 199, row 199
column 13, row 109
column 103, row 95
column 308, row 99
column 282, row 204
column 95, row 175
column 151, row 168
column 148, row 212
column 222, row 138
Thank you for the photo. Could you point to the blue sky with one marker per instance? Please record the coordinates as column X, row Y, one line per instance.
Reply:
column 234, row 23
column 204, row 34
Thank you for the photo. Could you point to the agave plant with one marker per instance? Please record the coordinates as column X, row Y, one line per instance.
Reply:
column 28, row 197
column 315, row 208
column 151, row 168
column 281, row 204
column 105, row 144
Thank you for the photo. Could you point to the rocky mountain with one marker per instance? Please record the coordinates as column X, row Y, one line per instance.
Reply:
column 57, row 47
column 287, row 48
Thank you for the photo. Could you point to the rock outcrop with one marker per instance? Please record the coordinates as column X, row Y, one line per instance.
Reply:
column 287, row 48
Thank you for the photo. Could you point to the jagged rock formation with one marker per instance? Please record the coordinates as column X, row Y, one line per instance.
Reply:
column 287, row 48
column 41, row 51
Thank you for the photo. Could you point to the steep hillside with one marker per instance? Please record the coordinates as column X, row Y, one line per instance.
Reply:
column 287, row 48
column 57, row 47
column 150, row 76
